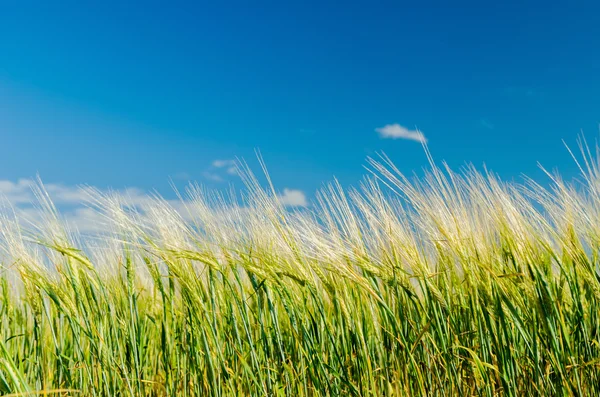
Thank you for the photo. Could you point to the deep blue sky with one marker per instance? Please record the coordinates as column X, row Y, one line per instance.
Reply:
column 128, row 95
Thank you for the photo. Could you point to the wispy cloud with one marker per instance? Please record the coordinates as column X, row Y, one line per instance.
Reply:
column 293, row 198
column 396, row 131
column 486, row 124
column 21, row 192
column 211, row 176
column 219, row 169
column 17, row 192
column 73, row 202
column 228, row 165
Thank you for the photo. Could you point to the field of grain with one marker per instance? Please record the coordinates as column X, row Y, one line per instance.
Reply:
column 451, row 284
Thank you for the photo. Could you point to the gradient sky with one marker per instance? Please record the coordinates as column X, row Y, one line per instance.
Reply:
column 132, row 95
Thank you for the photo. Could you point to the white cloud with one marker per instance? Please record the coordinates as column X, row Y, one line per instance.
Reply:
column 223, row 163
column 71, row 201
column 21, row 192
column 74, row 202
column 396, row 131
column 17, row 192
column 229, row 166
column 293, row 198
column 66, row 194
column 82, row 219
column 211, row 176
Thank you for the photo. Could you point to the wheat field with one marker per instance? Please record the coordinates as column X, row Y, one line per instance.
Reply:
column 447, row 284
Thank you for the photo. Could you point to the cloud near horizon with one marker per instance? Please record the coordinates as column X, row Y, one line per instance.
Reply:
column 396, row 131
column 73, row 202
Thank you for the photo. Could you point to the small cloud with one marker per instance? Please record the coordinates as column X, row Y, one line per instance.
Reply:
column 230, row 166
column 396, row 131
column 486, row 124
column 211, row 176
column 293, row 198
column 223, row 163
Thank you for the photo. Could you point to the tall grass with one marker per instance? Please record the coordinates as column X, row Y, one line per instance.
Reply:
column 450, row 284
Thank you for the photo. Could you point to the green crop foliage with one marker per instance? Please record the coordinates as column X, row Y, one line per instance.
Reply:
column 450, row 284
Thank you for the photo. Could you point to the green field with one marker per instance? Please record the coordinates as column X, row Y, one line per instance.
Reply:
column 450, row 284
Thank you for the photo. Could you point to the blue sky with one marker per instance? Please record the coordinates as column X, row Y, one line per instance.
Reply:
column 131, row 95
